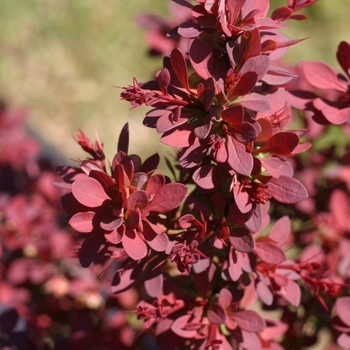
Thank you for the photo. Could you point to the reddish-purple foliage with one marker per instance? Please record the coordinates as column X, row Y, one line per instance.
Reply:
column 255, row 219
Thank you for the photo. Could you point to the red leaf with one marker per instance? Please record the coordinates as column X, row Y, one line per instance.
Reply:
column 179, row 66
column 203, row 129
column 89, row 165
column 189, row 30
column 111, row 223
column 179, row 137
column 234, row 266
column 343, row 56
column 189, row 157
column 187, row 221
column 333, row 114
column 89, row 192
column 171, row 119
column 280, row 144
column 123, row 142
column 287, row 190
column 321, row 76
column 216, row 314
column 255, row 102
column 264, row 293
column 178, row 327
column 154, row 283
column 125, row 279
column 201, row 58
column 225, row 297
column 239, row 158
column 257, row 64
column 206, row 176
column 344, row 340
column 132, row 218
column 150, row 164
column 158, row 241
column 233, row 115
column 104, row 179
column 276, row 166
column 134, row 246
column 169, row 197
column 163, row 79
column 291, row 292
column 251, row 341
column 128, row 167
column 343, row 309
column 139, row 180
column 340, row 208
column 281, row 13
column 270, row 253
column 155, row 183
column 92, row 250
column 242, row 199
column 244, row 85
column 254, row 221
column 83, row 221
column 116, row 235
column 242, row 240
column 138, row 199
column 280, row 231
column 244, row 132
column 249, row 321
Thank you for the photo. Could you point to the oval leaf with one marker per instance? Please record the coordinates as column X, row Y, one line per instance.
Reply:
column 154, row 283
column 89, row 192
column 138, row 199
column 287, row 190
column 343, row 309
column 321, row 76
column 92, row 250
column 249, row 321
column 83, row 221
column 280, row 144
column 134, row 246
column 216, row 314
column 239, row 159
column 270, row 253
column 169, row 197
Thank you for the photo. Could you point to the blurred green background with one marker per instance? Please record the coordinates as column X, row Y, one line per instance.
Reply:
column 61, row 59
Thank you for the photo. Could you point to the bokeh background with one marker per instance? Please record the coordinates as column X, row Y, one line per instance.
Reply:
column 60, row 60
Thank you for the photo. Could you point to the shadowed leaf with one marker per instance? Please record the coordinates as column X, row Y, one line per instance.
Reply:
column 281, row 144
column 249, row 321
column 123, row 142
column 179, row 66
column 92, row 250
column 270, row 253
column 125, row 279
column 216, row 314
column 343, row 56
column 154, row 283
column 83, row 221
column 169, row 197
column 201, row 58
column 134, row 246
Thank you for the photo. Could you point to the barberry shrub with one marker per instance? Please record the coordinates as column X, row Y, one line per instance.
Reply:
column 239, row 230
column 246, row 244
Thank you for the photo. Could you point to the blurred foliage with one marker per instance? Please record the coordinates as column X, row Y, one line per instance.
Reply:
column 61, row 59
